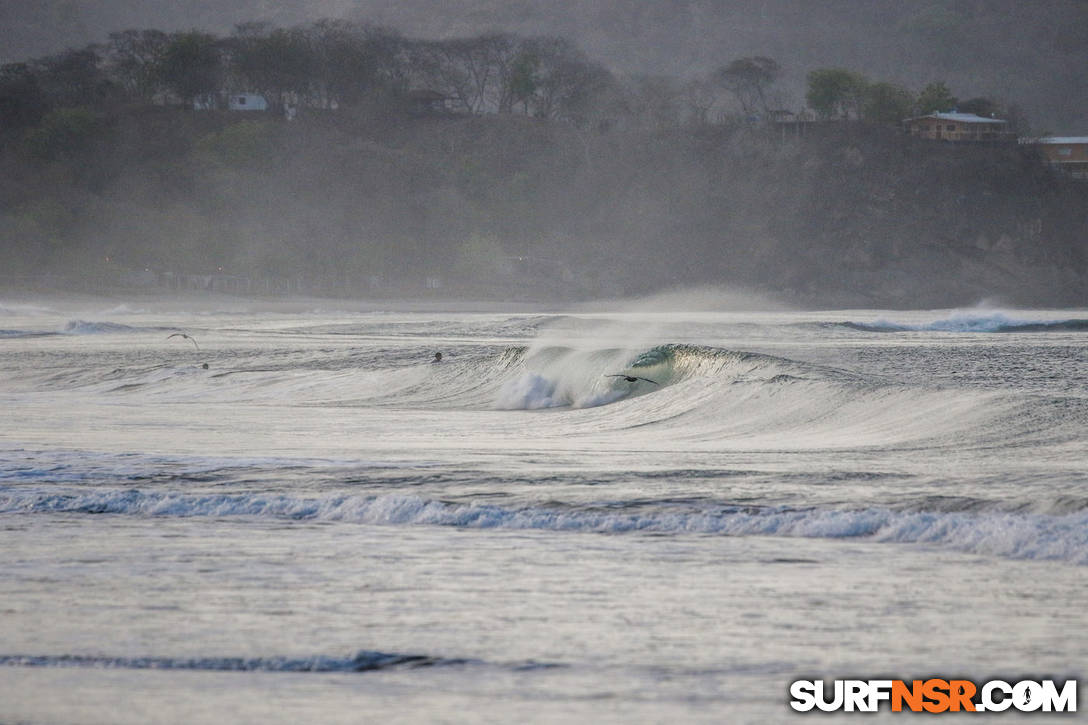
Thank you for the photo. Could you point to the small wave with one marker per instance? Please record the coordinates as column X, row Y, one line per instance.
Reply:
column 995, row 322
column 363, row 661
column 83, row 327
column 16, row 334
column 1062, row 537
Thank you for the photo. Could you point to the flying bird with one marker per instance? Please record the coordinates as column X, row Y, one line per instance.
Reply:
column 632, row 378
column 187, row 337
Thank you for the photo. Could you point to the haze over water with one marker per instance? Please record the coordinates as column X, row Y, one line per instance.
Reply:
column 323, row 525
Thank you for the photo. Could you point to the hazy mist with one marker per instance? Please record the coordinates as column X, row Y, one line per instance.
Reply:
column 617, row 164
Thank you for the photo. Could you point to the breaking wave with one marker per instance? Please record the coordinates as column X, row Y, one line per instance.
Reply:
column 559, row 376
column 1061, row 537
column 973, row 322
column 83, row 327
column 708, row 397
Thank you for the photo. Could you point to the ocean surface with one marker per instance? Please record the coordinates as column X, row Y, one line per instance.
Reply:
column 610, row 516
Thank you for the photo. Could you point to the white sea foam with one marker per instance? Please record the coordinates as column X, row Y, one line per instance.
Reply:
column 529, row 392
column 1012, row 535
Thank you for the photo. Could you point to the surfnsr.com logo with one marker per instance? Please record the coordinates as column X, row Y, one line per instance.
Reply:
column 933, row 695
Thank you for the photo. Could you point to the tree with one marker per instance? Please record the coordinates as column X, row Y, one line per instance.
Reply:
column 748, row 80
column 474, row 71
column 191, row 65
column 134, row 58
column 272, row 62
column 523, row 79
column 352, row 61
column 22, row 102
column 836, row 92
column 887, row 103
column 655, row 101
column 72, row 78
column 936, row 97
column 564, row 83
column 699, row 98
column 489, row 61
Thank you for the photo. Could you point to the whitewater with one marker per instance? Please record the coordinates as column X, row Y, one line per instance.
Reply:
column 634, row 513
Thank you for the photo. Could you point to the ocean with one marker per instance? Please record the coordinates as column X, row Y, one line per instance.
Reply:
column 612, row 515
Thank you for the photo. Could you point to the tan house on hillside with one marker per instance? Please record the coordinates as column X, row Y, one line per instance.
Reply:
column 954, row 126
column 1068, row 153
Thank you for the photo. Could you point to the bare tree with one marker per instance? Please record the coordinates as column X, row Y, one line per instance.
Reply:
column 748, row 79
column 700, row 97
column 564, row 83
column 460, row 69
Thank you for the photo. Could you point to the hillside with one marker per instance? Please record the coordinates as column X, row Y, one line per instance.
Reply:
column 509, row 206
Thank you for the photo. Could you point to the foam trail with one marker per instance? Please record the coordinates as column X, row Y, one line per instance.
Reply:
column 1062, row 537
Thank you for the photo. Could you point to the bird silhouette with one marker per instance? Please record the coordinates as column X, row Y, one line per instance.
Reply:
column 632, row 378
column 187, row 337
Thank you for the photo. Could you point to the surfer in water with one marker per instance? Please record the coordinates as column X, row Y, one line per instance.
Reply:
column 437, row 358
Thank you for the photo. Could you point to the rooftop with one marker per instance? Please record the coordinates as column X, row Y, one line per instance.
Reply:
column 956, row 116
column 1061, row 139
